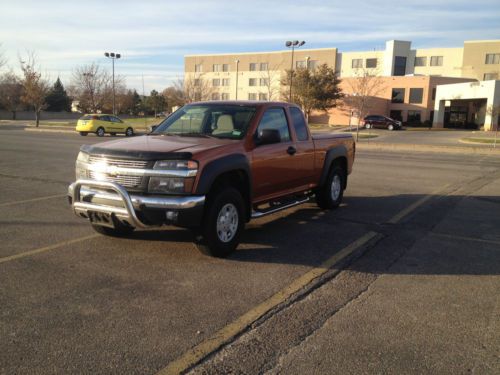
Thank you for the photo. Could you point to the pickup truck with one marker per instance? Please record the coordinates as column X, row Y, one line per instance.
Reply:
column 212, row 167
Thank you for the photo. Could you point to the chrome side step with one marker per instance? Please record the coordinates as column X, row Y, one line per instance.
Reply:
column 272, row 210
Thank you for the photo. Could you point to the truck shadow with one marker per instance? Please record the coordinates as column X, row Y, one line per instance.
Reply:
column 308, row 235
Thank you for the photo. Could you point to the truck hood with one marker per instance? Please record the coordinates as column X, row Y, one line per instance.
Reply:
column 149, row 147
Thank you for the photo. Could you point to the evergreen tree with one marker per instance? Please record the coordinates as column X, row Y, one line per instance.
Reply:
column 58, row 99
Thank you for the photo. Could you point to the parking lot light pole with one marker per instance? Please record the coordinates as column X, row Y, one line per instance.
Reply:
column 113, row 56
column 237, row 63
column 293, row 44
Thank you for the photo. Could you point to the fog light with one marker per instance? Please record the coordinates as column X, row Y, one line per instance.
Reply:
column 172, row 215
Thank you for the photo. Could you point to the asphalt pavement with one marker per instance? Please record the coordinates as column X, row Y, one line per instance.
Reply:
column 420, row 296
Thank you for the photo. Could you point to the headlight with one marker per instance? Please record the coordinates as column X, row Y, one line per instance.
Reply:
column 81, row 165
column 181, row 181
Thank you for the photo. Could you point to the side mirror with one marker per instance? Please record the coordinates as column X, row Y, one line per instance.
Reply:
column 153, row 127
column 267, row 136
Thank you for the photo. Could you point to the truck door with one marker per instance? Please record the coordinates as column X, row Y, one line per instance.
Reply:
column 303, row 159
column 273, row 170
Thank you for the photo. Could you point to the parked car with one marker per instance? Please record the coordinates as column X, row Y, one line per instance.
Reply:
column 101, row 124
column 382, row 122
column 211, row 167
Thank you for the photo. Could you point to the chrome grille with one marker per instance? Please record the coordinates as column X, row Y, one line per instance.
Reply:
column 118, row 162
column 134, row 182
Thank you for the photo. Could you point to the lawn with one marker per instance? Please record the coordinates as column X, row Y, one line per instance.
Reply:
column 481, row 140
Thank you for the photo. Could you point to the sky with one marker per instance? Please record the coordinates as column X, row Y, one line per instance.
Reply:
column 153, row 36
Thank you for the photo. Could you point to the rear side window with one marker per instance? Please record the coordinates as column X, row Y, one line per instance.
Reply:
column 115, row 119
column 275, row 118
column 299, row 124
column 104, row 118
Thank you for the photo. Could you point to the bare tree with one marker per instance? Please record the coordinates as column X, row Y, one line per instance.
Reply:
column 272, row 82
column 174, row 97
column 3, row 60
column 494, row 112
column 195, row 88
column 11, row 91
column 35, row 87
column 361, row 92
column 91, row 86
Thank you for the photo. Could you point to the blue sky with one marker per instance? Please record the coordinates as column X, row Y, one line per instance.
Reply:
column 153, row 36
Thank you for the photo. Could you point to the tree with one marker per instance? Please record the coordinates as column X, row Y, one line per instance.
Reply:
column 3, row 60
column 271, row 82
column 35, row 88
column 58, row 99
column 155, row 102
column 11, row 91
column 316, row 89
column 194, row 88
column 91, row 86
column 174, row 97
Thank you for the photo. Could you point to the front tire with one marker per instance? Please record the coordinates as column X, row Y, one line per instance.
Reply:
column 222, row 224
column 331, row 194
column 390, row 127
column 100, row 132
column 129, row 132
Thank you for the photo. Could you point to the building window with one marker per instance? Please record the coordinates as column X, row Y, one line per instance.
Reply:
column 416, row 95
column 396, row 115
column 414, row 116
column 492, row 58
column 436, row 60
column 252, row 96
column 264, row 81
column 197, row 82
column 357, row 63
column 399, row 65
column 253, row 67
column 313, row 64
column 398, row 96
column 490, row 76
column 215, row 96
column 262, row 96
column 300, row 64
column 225, row 96
column 217, row 67
column 225, row 81
column 263, row 67
column 225, row 67
column 216, row 82
column 252, row 82
column 420, row 61
column 371, row 63
column 198, row 68
column 433, row 94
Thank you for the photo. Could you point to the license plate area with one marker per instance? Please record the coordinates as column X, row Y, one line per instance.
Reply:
column 101, row 218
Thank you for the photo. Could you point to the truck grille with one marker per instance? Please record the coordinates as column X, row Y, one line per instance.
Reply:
column 134, row 182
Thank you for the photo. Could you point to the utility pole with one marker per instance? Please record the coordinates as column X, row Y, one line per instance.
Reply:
column 293, row 44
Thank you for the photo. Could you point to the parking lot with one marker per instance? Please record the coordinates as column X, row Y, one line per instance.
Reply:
column 418, row 290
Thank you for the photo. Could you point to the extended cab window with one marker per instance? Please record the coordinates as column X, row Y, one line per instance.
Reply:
column 299, row 124
column 275, row 118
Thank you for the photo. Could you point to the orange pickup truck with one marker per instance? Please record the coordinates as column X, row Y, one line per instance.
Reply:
column 211, row 166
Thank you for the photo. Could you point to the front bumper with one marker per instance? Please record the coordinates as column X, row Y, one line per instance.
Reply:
column 103, row 197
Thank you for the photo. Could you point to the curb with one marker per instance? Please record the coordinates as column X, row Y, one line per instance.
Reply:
column 41, row 130
column 428, row 148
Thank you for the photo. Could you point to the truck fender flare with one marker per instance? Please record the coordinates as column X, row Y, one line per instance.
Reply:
column 332, row 154
column 215, row 168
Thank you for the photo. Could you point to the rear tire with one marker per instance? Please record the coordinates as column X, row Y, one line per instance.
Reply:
column 222, row 224
column 83, row 134
column 100, row 132
column 120, row 230
column 129, row 132
column 368, row 126
column 331, row 194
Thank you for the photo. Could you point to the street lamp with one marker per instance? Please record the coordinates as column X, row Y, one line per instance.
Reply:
column 237, row 63
column 293, row 44
column 113, row 56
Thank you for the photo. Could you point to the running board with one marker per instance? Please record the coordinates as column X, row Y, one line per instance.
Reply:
column 272, row 210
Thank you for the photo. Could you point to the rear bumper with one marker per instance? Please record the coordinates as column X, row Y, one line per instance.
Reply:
column 139, row 211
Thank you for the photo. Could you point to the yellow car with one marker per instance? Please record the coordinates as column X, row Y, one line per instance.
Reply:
column 101, row 124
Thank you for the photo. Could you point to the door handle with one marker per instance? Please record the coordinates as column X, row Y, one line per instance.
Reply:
column 291, row 150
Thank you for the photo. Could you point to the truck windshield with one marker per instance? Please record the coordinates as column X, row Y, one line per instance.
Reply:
column 214, row 120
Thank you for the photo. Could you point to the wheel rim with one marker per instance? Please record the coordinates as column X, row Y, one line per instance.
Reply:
column 100, row 132
column 391, row 127
column 129, row 132
column 336, row 187
column 227, row 222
